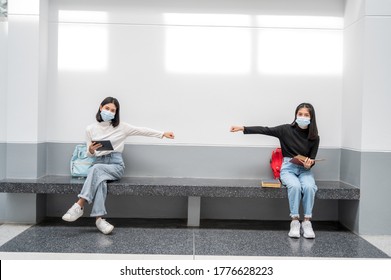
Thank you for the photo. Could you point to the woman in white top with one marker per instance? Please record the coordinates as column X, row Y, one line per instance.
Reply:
column 108, row 165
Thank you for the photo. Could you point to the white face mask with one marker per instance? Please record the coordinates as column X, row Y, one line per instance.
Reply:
column 107, row 115
column 303, row 122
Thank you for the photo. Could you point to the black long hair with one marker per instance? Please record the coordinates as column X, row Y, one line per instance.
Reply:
column 312, row 127
column 107, row 100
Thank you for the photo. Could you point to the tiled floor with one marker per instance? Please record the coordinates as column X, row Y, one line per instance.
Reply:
column 383, row 242
column 139, row 237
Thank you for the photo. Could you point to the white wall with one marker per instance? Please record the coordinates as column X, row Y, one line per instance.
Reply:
column 354, row 11
column 352, row 98
column 23, row 71
column 377, row 87
column 3, row 95
column 195, row 67
column 26, row 87
column 376, row 137
column 378, row 7
column 3, row 76
column 27, row 84
column 42, row 74
column 366, row 115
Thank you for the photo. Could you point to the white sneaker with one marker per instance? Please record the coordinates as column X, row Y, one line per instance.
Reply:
column 306, row 227
column 295, row 229
column 104, row 226
column 74, row 213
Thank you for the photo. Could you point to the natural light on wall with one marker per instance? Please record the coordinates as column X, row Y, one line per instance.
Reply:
column 300, row 45
column 207, row 44
column 82, row 41
column 314, row 22
column 231, row 44
column 299, row 52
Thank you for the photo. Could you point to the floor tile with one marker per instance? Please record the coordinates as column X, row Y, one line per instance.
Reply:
column 162, row 239
column 382, row 242
column 83, row 237
column 271, row 239
column 89, row 256
column 9, row 231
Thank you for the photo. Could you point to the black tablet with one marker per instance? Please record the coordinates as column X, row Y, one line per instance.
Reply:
column 106, row 145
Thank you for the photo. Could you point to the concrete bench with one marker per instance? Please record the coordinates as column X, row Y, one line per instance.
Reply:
column 192, row 188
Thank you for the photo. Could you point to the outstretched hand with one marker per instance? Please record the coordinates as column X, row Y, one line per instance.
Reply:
column 169, row 135
column 236, row 128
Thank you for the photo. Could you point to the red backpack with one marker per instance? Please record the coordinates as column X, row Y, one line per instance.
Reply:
column 276, row 162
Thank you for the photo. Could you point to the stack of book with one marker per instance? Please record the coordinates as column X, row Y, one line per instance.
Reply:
column 274, row 183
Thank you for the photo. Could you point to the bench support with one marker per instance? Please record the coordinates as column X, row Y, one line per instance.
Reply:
column 23, row 208
column 193, row 211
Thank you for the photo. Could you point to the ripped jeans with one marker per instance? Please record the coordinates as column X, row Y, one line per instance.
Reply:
column 301, row 187
column 108, row 167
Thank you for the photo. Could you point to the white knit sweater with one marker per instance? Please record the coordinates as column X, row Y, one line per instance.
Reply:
column 116, row 135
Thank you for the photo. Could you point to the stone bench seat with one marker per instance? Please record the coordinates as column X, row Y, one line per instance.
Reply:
column 193, row 188
column 185, row 187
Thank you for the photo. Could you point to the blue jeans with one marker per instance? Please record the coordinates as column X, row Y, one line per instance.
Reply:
column 301, row 186
column 108, row 167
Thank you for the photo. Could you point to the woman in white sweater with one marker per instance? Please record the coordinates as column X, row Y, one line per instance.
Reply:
column 108, row 165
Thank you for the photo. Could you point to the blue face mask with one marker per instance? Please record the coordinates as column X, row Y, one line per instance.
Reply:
column 303, row 122
column 107, row 115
